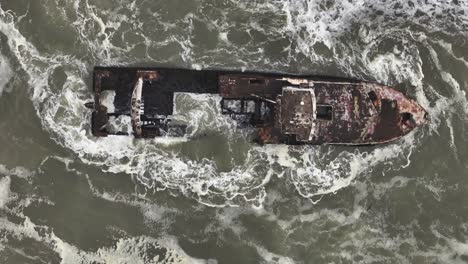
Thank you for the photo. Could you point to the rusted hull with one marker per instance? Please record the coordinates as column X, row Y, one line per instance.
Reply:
column 283, row 109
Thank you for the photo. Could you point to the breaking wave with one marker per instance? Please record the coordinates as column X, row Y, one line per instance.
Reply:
column 5, row 73
column 310, row 34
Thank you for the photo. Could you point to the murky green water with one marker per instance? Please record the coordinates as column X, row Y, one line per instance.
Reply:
column 68, row 197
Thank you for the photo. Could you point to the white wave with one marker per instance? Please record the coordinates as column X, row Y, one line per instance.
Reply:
column 270, row 257
column 121, row 123
column 129, row 250
column 5, row 73
column 4, row 191
column 107, row 100
column 395, row 182
column 20, row 172
column 153, row 213
column 201, row 113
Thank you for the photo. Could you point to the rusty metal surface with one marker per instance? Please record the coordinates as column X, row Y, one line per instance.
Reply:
column 283, row 108
column 246, row 85
column 359, row 120
column 297, row 113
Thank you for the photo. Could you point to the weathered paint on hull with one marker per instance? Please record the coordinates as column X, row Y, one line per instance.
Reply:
column 283, row 108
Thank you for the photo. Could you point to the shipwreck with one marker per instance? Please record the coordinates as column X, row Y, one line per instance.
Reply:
column 280, row 108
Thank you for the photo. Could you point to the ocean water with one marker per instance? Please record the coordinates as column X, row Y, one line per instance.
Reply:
column 213, row 197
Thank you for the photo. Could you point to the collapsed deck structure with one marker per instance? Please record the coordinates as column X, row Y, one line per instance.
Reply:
column 282, row 108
